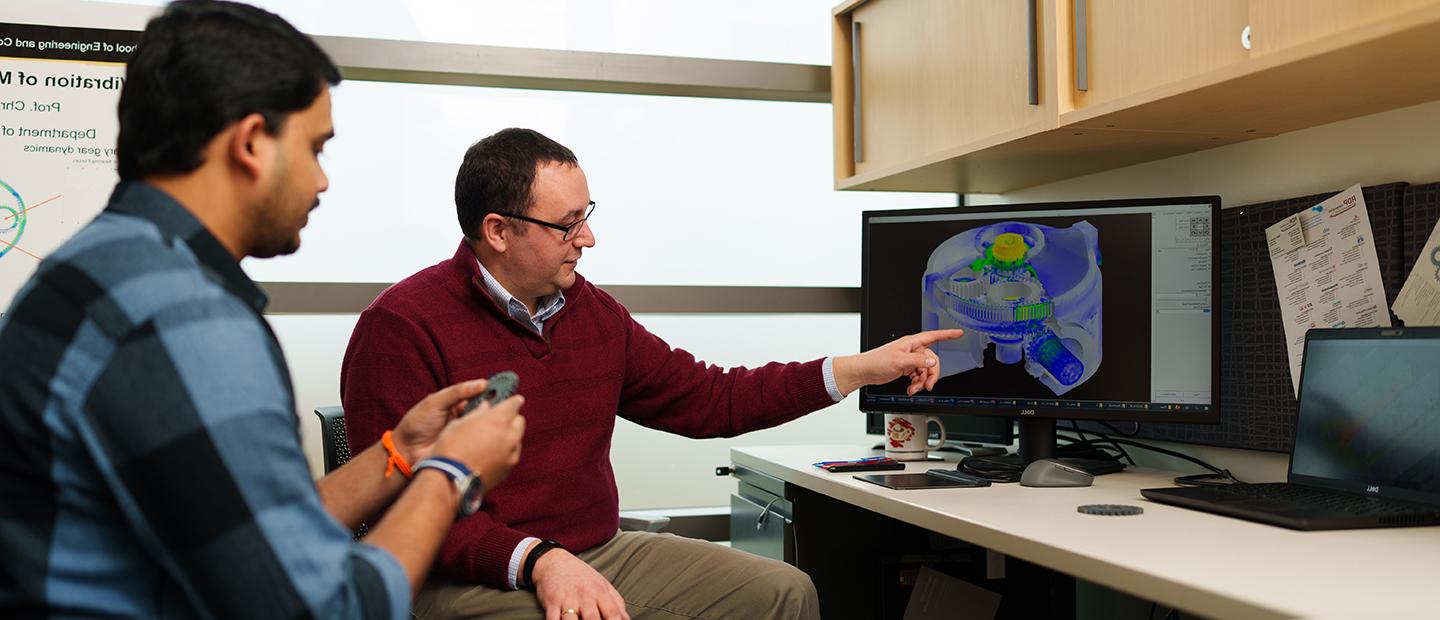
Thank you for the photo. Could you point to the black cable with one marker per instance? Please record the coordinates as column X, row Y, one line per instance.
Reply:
column 992, row 469
column 1219, row 476
column 1009, row 469
column 1085, row 448
column 1076, row 425
column 1129, row 435
column 1116, row 445
column 1003, row 471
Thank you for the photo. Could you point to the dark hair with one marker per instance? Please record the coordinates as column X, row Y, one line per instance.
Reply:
column 498, row 172
column 203, row 65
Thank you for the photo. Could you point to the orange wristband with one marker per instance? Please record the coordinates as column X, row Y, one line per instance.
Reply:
column 396, row 461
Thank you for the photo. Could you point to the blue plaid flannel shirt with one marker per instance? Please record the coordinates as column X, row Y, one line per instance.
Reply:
column 151, row 464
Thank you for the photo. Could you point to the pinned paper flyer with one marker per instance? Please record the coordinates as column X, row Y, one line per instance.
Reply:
column 1326, row 271
column 1419, row 300
column 1286, row 236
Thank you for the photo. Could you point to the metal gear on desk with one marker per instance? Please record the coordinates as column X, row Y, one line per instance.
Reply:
column 1110, row 510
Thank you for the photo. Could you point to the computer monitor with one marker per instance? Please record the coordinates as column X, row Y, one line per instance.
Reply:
column 1101, row 310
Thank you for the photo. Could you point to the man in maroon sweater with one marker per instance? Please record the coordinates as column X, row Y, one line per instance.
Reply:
column 510, row 299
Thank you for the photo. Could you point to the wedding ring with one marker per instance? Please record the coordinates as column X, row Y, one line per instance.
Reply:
column 569, row 612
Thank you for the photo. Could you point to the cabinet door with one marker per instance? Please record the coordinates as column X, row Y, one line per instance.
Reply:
column 1122, row 47
column 940, row 74
column 1280, row 24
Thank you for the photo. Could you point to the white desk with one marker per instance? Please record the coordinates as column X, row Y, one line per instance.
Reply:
column 1209, row 565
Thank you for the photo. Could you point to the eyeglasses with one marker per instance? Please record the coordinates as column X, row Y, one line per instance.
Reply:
column 570, row 229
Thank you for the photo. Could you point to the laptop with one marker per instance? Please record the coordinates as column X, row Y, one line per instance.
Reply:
column 1367, row 438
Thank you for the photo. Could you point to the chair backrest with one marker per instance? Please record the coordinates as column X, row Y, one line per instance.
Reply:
column 332, row 436
column 336, row 445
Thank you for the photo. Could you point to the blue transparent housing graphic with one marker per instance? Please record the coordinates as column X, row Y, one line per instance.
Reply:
column 1033, row 291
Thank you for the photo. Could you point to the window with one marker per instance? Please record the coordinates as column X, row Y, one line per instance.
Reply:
column 728, row 192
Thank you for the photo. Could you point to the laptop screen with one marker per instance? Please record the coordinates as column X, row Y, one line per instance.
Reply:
column 1369, row 418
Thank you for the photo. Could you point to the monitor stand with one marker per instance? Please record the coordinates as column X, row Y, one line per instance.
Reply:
column 1037, row 441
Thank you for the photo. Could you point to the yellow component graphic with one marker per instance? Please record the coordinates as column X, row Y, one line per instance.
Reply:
column 1009, row 248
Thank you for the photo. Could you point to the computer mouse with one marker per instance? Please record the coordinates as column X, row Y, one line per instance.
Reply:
column 1054, row 473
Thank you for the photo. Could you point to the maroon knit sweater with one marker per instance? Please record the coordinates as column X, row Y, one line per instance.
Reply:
column 440, row 327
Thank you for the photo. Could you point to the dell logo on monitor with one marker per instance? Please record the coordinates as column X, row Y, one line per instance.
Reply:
column 1027, row 412
column 1372, row 488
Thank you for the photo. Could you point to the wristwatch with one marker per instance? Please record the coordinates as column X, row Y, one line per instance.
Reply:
column 471, row 488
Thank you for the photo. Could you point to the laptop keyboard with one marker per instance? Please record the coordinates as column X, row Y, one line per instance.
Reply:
column 1327, row 500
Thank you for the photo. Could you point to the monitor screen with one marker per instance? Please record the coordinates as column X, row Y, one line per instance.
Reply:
column 1366, row 418
column 1099, row 310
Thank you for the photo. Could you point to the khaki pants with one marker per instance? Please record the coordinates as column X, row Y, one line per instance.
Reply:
column 661, row 577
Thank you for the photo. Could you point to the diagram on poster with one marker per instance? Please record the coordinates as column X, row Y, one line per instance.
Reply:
column 58, row 93
column 13, row 214
column 1033, row 291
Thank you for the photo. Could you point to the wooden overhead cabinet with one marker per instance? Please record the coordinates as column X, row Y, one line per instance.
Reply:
column 1282, row 24
column 1122, row 47
column 936, row 95
column 916, row 78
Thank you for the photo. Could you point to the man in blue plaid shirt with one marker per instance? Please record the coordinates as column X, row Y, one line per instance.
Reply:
column 152, row 464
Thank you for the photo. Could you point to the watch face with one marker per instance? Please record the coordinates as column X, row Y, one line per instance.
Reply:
column 472, row 497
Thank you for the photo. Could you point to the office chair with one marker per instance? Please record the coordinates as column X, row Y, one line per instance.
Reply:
column 332, row 437
column 337, row 453
column 336, row 446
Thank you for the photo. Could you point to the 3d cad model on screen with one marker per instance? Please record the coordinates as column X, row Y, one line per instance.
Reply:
column 1033, row 290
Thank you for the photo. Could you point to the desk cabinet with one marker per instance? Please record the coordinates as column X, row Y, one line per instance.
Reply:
column 762, row 517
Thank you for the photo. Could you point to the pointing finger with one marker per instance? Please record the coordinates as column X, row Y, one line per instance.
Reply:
column 925, row 339
column 917, row 361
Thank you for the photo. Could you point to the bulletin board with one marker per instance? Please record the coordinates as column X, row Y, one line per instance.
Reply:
column 1257, row 400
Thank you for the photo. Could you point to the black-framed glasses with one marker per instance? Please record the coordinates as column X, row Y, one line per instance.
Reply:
column 570, row 230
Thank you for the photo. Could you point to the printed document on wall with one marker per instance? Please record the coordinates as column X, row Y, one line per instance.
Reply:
column 1419, row 300
column 1326, row 271
column 59, row 87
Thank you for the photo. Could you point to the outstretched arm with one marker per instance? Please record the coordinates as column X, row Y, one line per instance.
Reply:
column 905, row 356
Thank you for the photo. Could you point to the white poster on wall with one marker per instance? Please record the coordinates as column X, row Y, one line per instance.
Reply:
column 1326, row 271
column 58, row 93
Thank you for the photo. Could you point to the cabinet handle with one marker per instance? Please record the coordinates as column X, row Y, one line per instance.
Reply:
column 1082, row 48
column 1034, row 53
column 859, row 146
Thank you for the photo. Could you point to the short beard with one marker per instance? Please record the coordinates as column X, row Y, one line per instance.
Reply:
column 272, row 238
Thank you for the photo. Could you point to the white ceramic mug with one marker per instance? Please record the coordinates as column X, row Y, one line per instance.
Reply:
column 907, row 436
